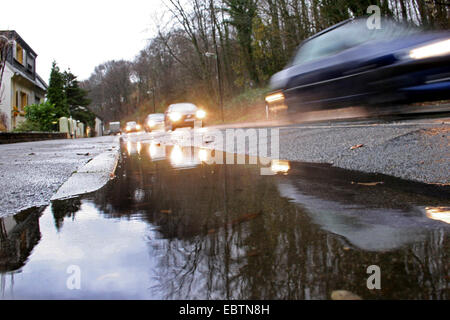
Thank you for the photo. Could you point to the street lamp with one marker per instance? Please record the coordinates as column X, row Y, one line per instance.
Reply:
column 219, row 79
column 152, row 91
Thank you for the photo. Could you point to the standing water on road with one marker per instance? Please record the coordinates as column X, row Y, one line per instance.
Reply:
column 171, row 226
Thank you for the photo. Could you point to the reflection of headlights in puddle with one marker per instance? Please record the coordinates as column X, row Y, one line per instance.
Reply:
column 280, row 166
column 139, row 147
column 176, row 156
column 129, row 147
column 152, row 150
column 439, row 213
column 203, row 155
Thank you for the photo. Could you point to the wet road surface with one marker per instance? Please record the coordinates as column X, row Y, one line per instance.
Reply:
column 171, row 226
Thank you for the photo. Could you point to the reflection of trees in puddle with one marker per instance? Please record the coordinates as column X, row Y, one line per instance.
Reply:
column 226, row 233
column 65, row 208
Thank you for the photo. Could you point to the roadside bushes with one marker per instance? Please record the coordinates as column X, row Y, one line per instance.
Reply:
column 39, row 117
column 3, row 122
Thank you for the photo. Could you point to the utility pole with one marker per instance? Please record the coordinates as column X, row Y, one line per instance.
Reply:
column 152, row 91
column 216, row 54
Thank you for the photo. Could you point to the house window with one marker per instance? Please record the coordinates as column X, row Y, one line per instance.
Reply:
column 19, row 53
column 23, row 100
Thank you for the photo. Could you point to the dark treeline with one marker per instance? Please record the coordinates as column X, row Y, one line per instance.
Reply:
column 228, row 46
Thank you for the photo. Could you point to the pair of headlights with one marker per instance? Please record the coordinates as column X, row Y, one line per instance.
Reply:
column 138, row 127
column 176, row 116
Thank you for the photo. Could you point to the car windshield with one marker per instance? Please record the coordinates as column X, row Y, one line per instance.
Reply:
column 156, row 116
column 347, row 36
column 132, row 123
column 183, row 107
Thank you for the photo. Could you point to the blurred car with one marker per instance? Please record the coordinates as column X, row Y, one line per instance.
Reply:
column 132, row 126
column 183, row 115
column 114, row 128
column 349, row 64
column 154, row 121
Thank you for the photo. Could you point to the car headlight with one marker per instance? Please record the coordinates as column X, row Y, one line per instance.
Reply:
column 128, row 128
column 435, row 49
column 200, row 114
column 151, row 123
column 275, row 97
column 138, row 127
column 175, row 116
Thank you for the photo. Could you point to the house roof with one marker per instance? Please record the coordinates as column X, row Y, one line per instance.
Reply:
column 38, row 82
column 35, row 79
column 12, row 34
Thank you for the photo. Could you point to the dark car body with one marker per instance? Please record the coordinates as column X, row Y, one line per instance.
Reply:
column 187, row 113
column 349, row 64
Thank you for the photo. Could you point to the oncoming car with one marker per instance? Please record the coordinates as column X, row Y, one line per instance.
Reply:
column 132, row 126
column 154, row 121
column 349, row 64
column 183, row 115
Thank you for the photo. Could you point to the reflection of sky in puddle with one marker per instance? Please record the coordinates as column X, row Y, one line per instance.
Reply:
column 112, row 255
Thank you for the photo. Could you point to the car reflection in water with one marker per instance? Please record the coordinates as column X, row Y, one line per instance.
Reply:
column 180, row 228
column 354, row 211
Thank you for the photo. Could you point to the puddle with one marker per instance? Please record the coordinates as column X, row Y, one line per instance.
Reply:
column 171, row 226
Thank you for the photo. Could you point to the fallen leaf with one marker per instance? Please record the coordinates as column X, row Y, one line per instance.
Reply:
column 369, row 183
column 253, row 253
column 356, row 146
column 344, row 295
column 244, row 218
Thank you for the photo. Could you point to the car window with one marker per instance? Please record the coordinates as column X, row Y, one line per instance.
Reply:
column 183, row 107
column 156, row 116
column 348, row 36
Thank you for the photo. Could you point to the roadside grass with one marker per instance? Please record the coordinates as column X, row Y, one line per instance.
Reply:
column 245, row 107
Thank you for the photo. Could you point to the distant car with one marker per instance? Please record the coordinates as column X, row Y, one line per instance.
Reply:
column 154, row 121
column 349, row 64
column 183, row 115
column 132, row 126
column 114, row 128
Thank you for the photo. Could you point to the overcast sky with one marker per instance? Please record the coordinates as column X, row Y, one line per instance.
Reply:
column 81, row 34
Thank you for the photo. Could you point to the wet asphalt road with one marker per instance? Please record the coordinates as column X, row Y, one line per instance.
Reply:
column 416, row 150
column 32, row 172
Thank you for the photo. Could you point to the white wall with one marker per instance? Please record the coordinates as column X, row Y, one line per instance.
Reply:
column 6, row 95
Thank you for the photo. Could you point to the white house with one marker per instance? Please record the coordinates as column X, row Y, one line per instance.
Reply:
column 21, row 85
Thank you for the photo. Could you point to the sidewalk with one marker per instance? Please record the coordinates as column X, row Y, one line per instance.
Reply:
column 32, row 172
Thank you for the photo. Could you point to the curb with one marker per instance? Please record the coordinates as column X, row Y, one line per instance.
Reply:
column 91, row 177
